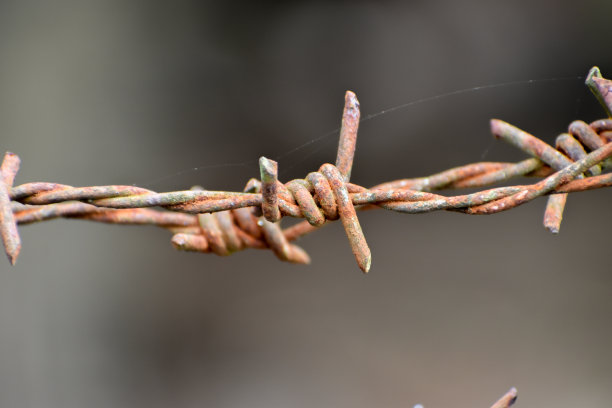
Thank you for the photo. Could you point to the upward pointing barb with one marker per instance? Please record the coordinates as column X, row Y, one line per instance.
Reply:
column 269, row 186
column 348, row 135
column 344, row 164
column 335, row 179
column 507, row 399
column 324, row 195
column 602, row 88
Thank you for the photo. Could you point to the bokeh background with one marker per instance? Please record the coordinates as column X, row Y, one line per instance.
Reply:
column 455, row 310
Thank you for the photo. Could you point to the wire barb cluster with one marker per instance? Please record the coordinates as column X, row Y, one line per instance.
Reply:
column 225, row 222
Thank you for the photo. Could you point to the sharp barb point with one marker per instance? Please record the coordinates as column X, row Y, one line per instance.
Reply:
column 601, row 88
column 507, row 400
column 348, row 135
column 224, row 222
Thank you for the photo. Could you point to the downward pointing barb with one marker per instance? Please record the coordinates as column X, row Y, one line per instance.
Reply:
column 348, row 216
column 326, row 195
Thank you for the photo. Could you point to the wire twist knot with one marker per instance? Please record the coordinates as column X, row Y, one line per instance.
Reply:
column 224, row 222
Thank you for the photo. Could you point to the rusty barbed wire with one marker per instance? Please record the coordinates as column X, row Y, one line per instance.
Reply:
column 225, row 222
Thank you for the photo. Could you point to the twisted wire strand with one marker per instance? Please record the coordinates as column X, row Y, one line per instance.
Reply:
column 569, row 148
column 224, row 222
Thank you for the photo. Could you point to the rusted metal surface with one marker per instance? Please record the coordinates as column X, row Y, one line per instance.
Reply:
column 348, row 216
column 602, row 89
column 348, row 135
column 269, row 187
column 225, row 222
column 569, row 147
column 8, row 225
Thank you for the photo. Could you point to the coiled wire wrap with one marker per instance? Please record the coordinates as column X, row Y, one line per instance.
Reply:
column 225, row 222
column 225, row 232
column 570, row 147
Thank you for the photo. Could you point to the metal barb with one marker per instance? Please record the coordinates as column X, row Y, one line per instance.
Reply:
column 348, row 135
column 269, row 185
column 507, row 400
column 569, row 148
column 8, row 225
column 224, row 222
column 601, row 88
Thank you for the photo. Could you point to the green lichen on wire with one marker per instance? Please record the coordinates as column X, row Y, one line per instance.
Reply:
column 224, row 222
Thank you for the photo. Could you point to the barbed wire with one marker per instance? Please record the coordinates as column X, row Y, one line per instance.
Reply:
column 225, row 222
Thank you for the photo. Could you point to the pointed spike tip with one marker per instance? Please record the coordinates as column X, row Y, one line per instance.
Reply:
column 348, row 135
column 350, row 100
column 268, row 168
column 593, row 72
column 496, row 126
column 507, row 399
column 601, row 88
column 13, row 255
column 366, row 263
column 299, row 255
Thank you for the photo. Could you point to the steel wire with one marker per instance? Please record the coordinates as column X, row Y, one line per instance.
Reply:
column 225, row 222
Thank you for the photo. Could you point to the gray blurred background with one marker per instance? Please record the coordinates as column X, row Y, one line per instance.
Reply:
column 455, row 310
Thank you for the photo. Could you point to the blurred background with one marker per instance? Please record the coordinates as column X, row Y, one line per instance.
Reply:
column 456, row 309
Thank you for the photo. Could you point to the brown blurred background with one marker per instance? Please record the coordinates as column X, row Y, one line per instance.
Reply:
column 455, row 310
